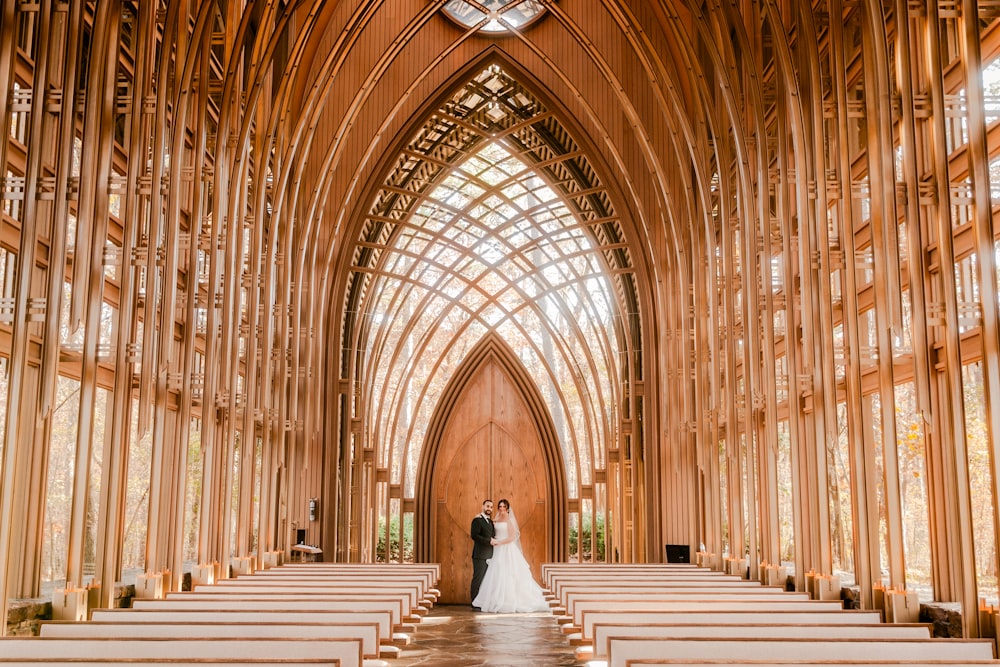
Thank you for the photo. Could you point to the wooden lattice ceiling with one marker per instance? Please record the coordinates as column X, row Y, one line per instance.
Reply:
column 492, row 219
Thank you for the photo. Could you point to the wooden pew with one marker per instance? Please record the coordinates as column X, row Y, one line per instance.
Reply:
column 426, row 574
column 225, row 611
column 629, row 580
column 608, row 570
column 635, row 571
column 224, row 605
column 558, row 583
column 571, row 597
column 433, row 567
column 575, row 614
column 684, row 572
column 389, row 639
column 623, row 649
column 679, row 567
column 641, row 617
column 549, row 570
column 794, row 663
column 402, row 601
column 426, row 595
column 603, row 632
column 381, row 619
column 366, row 632
column 665, row 591
column 430, row 572
column 162, row 662
column 342, row 652
column 250, row 586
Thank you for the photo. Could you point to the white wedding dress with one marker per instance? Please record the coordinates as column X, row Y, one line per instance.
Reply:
column 508, row 586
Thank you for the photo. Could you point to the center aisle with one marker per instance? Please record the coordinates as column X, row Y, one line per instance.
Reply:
column 457, row 636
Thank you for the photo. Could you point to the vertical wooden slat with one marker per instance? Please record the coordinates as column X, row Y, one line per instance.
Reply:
column 19, row 431
column 111, row 522
column 917, row 265
column 864, row 504
column 72, row 30
column 885, row 248
column 149, row 373
column 197, row 160
column 819, row 317
column 985, row 254
column 953, row 518
column 93, row 216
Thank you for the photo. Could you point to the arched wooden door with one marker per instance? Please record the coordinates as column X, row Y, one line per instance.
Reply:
column 490, row 447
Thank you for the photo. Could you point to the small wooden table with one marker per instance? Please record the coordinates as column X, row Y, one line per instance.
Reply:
column 304, row 553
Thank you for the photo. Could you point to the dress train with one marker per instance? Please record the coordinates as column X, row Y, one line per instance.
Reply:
column 508, row 586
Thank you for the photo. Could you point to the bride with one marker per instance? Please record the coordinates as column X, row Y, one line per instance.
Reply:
column 508, row 585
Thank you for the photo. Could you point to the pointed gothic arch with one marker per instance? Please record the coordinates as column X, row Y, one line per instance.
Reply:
column 491, row 437
column 602, row 476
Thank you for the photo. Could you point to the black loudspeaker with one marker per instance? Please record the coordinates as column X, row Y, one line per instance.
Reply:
column 300, row 536
column 678, row 553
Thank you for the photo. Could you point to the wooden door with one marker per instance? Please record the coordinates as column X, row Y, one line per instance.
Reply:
column 490, row 448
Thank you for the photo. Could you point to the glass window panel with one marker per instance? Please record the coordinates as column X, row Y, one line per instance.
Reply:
column 995, row 180
column 864, row 267
column 69, row 337
column 841, row 500
column 873, row 409
column 515, row 13
column 112, row 260
column 19, row 119
column 912, row 461
column 102, row 403
column 239, row 460
column 724, row 497
column 258, row 447
column 11, row 206
column 981, row 482
column 108, row 319
column 902, row 341
column 957, row 124
column 192, row 491
column 61, row 472
column 868, row 337
column 786, row 521
column 961, row 200
column 967, row 293
column 841, row 508
column 781, row 379
column 475, row 165
column 840, row 360
column 574, row 537
column 4, row 383
column 7, row 269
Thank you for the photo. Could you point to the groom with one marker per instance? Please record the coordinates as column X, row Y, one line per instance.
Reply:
column 482, row 546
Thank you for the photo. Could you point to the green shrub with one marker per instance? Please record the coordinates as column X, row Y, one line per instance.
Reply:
column 400, row 550
column 600, row 552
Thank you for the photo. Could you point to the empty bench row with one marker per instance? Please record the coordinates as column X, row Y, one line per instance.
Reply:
column 320, row 614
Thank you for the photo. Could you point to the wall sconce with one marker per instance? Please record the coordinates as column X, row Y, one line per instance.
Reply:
column 313, row 508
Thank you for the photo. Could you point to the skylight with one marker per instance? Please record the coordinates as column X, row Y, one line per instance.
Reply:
column 499, row 15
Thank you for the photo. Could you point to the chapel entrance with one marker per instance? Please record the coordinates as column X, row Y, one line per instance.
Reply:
column 491, row 445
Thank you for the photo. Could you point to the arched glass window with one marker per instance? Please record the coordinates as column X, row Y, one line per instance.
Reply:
column 492, row 222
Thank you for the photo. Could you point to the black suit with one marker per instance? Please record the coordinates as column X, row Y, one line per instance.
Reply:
column 482, row 532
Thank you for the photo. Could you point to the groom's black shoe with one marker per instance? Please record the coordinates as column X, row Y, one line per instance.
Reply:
column 476, row 609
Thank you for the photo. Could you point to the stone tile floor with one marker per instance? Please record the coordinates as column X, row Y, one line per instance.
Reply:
column 457, row 636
